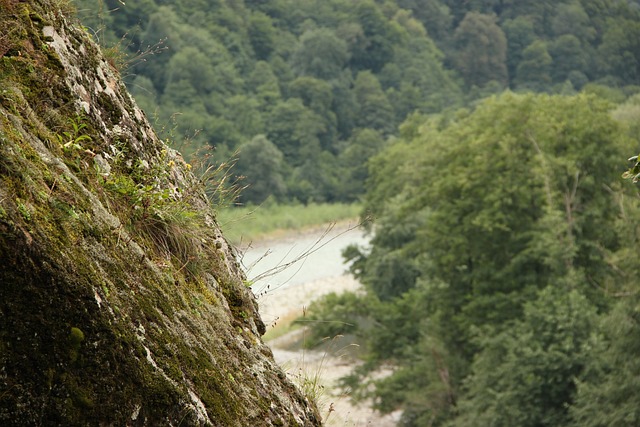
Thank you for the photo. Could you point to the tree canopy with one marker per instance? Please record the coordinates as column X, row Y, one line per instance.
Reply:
column 229, row 71
column 500, row 235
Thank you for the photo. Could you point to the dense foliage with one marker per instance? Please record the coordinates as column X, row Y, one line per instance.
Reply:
column 504, row 238
column 318, row 86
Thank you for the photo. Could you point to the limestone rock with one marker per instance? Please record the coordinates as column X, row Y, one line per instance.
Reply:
column 121, row 302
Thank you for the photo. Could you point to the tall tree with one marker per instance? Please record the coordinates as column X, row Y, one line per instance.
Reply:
column 317, row 95
column 608, row 391
column 374, row 109
column 520, row 34
column 481, row 50
column 571, row 18
column 261, row 35
column 377, row 48
column 568, row 56
column 620, row 50
column 295, row 130
column 363, row 145
column 320, row 54
column 534, row 71
column 435, row 16
column 483, row 212
column 260, row 163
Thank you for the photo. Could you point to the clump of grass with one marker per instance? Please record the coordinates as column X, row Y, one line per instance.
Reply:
column 282, row 326
column 215, row 175
column 120, row 58
column 311, row 380
column 219, row 183
column 175, row 231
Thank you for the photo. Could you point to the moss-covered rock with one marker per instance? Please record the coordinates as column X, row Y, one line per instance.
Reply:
column 121, row 303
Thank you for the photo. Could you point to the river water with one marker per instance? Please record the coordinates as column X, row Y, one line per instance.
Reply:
column 301, row 258
column 288, row 273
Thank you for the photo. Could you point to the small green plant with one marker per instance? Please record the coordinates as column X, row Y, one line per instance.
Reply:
column 24, row 210
column 70, row 141
column 216, row 178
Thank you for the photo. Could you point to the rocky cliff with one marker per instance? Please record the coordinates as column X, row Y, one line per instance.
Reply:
column 121, row 302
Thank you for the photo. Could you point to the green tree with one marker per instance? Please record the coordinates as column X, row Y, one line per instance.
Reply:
column 534, row 71
column 571, row 19
column 416, row 79
column 479, row 212
column 525, row 375
column 244, row 112
column 620, row 50
column 435, row 16
column 317, row 95
column 520, row 34
column 261, row 35
column 296, row 131
column 193, row 66
column 344, row 105
column 608, row 390
column 260, row 163
column 320, row 54
column 162, row 25
column 364, row 144
column 568, row 55
column 316, row 180
column 481, row 50
column 540, row 12
column 180, row 97
column 374, row 109
column 264, row 84
column 145, row 93
column 377, row 47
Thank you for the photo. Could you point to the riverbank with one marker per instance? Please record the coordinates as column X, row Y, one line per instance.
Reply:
column 283, row 297
column 270, row 220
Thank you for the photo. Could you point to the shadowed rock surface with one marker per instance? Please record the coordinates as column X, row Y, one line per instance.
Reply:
column 121, row 302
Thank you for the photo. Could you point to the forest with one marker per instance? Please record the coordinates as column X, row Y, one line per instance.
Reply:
column 300, row 93
column 487, row 140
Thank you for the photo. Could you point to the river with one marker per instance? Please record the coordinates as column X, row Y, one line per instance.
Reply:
column 319, row 253
column 288, row 273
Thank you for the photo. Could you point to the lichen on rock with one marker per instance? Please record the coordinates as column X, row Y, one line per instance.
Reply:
column 121, row 303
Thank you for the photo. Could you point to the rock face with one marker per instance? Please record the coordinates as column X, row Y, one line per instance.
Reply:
column 121, row 303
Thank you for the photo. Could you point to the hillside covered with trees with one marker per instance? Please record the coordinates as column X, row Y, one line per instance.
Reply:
column 306, row 91
column 486, row 138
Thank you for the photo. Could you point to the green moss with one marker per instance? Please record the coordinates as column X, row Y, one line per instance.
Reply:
column 24, row 210
column 75, row 338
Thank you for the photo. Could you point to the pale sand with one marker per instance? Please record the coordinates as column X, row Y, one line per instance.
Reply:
column 327, row 365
